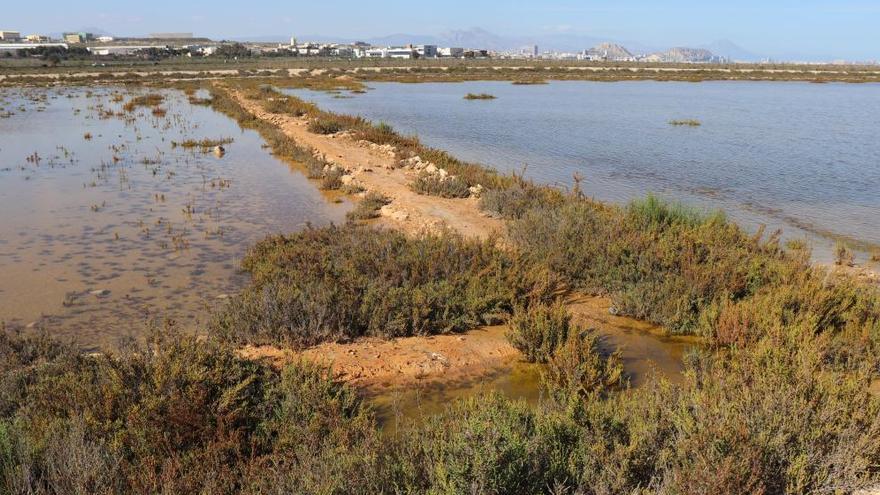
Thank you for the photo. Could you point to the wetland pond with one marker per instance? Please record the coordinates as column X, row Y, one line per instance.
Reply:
column 800, row 157
column 107, row 224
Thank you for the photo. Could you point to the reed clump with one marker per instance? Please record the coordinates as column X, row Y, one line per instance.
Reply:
column 148, row 100
column 206, row 144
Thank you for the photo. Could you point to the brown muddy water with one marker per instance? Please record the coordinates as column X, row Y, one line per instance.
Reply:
column 106, row 225
column 645, row 351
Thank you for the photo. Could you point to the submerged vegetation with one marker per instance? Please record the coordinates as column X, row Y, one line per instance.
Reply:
column 148, row 100
column 481, row 96
column 685, row 123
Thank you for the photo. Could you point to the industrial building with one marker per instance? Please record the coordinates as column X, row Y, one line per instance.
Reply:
column 13, row 47
column 123, row 49
column 78, row 37
column 10, row 35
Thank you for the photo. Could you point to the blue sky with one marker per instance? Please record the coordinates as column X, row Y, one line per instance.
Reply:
column 784, row 28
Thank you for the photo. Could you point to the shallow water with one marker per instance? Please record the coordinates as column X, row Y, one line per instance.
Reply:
column 800, row 157
column 394, row 408
column 100, row 235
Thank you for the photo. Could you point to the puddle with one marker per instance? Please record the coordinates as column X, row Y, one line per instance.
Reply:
column 518, row 381
column 645, row 350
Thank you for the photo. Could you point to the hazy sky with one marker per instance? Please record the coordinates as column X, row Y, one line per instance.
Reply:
column 843, row 28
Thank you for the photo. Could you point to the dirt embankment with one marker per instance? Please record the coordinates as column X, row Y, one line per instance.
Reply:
column 376, row 365
column 377, row 169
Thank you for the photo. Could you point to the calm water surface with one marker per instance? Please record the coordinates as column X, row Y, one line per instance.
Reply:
column 804, row 158
column 100, row 235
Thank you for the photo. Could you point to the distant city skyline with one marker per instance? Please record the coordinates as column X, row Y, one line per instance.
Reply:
column 785, row 29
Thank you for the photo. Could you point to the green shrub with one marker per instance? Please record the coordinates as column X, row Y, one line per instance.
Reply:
column 485, row 444
column 658, row 262
column 291, row 106
column 652, row 212
column 369, row 206
column 445, row 187
column 345, row 282
column 514, row 202
column 537, row 331
column 325, row 125
column 181, row 415
column 331, row 179
column 579, row 367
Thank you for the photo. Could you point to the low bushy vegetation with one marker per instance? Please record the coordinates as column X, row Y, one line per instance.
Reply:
column 177, row 416
column 445, row 187
column 696, row 273
column 324, row 125
column 368, row 207
column 275, row 103
column 338, row 283
column 539, row 330
column 514, row 202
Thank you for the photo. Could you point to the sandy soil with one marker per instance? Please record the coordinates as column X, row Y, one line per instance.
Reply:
column 375, row 364
column 375, row 170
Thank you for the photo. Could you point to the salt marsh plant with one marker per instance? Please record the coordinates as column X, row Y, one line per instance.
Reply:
column 148, row 100
column 345, row 282
column 368, row 207
column 445, row 187
column 685, row 123
column 205, row 145
column 480, row 96
column 538, row 331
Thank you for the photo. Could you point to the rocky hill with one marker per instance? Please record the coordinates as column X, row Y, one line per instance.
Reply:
column 611, row 51
column 681, row 55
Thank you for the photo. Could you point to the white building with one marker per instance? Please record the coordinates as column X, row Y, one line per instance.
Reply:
column 453, row 52
column 10, row 35
column 105, row 39
column 122, row 50
column 400, row 52
column 376, row 53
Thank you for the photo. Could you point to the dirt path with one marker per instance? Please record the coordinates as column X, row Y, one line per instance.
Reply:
column 376, row 170
column 376, row 364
